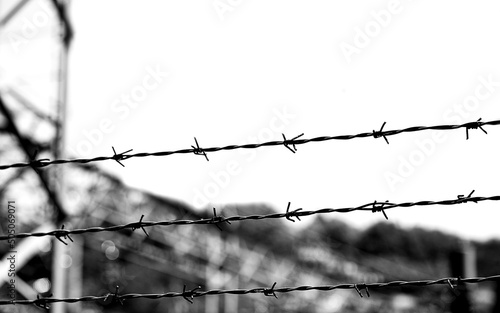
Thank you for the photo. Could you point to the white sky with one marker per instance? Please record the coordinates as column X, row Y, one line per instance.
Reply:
column 229, row 72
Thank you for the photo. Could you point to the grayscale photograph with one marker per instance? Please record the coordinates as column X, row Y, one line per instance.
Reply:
column 250, row 156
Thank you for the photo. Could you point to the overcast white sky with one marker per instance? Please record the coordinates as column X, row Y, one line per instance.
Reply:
column 243, row 71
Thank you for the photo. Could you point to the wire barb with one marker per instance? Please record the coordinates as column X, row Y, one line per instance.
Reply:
column 463, row 199
column 139, row 225
column 197, row 150
column 455, row 291
column 380, row 133
column 293, row 142
column 361, row 286
column 41, row 302
column 367, row 292
column 115, row 296
column 380, row 208
column 218, row 219
column 270, row 292
column 289, row 214
column 371, row 206
column 287, row 143
column 120, row 156
column 63, row 233
column 474, row 125
column 190, row 294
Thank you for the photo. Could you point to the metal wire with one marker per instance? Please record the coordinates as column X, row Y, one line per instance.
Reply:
column 189, row 295
column 289, row 215
column 286, row 143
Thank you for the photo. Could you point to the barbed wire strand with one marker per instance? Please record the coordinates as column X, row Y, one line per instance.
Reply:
column 217, row 219
column 197, row 150
column 189, row 295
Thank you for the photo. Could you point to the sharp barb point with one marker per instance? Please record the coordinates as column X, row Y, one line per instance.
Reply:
column 199, row 151
column 120, row 156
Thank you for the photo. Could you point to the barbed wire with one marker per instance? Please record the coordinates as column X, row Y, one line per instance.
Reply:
column 189, row 295
column 374, row 207
column 197, row 150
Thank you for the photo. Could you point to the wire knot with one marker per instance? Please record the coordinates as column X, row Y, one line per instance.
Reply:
column 286, row 142
column 380, row 133
column 463, row 199
column 270, row 292
column 380, row 208
column 190, row 294
column 197, row 150
column 458, row 282
column 35, row 163
column 62, row 233
column 362, row 286
column 42, row 302
column 139, row 225
column 218, row 219
column 115, row 296
column 474, row 125
column 120, row 156
column 455, row 291
column 289, row 214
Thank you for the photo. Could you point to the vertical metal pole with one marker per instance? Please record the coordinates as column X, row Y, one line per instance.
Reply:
column 62, row 253
column 75, row 275
column 59, row 277
column 214, row 251
column 231, row 301
column 470, row 269
column 62, row 97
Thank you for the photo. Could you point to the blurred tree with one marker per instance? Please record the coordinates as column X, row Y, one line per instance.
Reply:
column 416, row 243
column 273, row 233
column 382, row 239
column 338, row 235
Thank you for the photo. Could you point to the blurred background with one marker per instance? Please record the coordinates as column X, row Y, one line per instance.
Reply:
column 80, row 77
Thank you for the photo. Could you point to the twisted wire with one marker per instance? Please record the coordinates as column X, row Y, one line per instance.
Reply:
column 189, row 295
column 372, row 206
column 287, row 143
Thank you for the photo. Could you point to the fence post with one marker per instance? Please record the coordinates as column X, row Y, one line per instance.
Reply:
column 496, row 308
column 462, row 264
